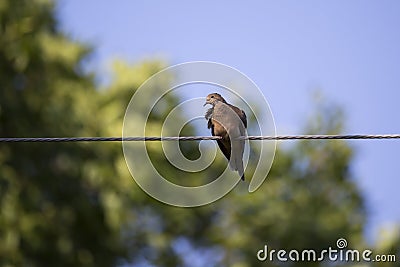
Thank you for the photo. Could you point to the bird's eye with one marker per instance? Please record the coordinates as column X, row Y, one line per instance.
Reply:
column 212, row 96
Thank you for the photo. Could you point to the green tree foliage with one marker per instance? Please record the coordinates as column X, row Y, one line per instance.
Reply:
column 55, row 211
column 69, row 204
column 75, row 204
column 387, row 246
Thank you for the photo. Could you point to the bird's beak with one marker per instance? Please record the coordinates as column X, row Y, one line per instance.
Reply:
column 207, row 102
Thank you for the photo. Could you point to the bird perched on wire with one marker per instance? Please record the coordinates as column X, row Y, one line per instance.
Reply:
column 228, row 122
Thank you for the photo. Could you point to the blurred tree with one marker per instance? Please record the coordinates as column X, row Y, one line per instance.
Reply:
column 53, row 211
column 387, row 246
column 75, row 204
column 67, row 204
column 60, row 204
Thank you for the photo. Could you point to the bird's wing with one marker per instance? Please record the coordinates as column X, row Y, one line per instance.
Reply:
column 243, row 117
column 225, row 148
column 236, row 162
column 241, row 114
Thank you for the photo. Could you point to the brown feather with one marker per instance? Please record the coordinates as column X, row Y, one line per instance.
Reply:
column 240, row 113
column 218, row 130
column 224, row 144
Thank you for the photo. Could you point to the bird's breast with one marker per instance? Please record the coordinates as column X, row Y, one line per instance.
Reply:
column 219, row 129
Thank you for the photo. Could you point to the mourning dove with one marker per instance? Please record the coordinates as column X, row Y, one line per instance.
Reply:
column 228, row 122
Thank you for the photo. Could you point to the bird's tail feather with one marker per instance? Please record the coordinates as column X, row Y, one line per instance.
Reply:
column 236, row 161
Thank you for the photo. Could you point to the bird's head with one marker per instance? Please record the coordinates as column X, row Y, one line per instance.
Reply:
column 213, row 98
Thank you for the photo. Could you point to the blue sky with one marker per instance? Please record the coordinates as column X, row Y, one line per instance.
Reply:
column 350, row 50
